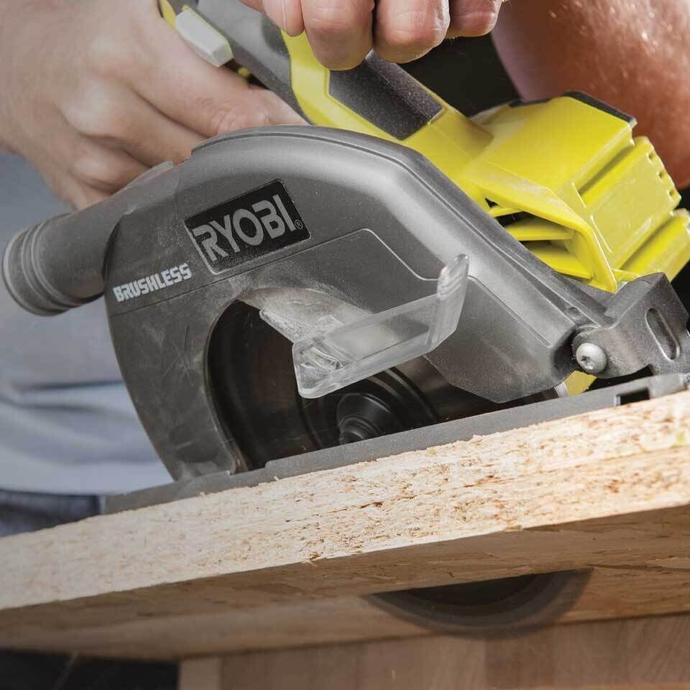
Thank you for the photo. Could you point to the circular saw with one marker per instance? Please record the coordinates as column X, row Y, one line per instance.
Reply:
column 296, row 298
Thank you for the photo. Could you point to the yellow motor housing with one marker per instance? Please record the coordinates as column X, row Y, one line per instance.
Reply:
column 565, row 177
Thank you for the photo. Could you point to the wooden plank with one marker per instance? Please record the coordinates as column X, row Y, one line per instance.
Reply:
column 648, row 654
column 608, row 489
column 611, row 593
column 318, row 622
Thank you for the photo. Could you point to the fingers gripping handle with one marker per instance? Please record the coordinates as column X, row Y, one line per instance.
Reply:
column 377, row 97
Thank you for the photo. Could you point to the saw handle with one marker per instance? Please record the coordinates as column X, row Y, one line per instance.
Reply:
column 377, row 98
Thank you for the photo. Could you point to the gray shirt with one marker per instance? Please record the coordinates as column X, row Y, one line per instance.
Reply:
column 67, row 424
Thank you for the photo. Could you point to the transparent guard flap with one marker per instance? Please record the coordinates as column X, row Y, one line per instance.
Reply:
column 331, row 359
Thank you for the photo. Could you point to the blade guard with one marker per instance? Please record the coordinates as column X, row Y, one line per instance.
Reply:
column 339, row 353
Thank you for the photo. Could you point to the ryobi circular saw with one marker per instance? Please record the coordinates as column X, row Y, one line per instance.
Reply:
column 317, row 294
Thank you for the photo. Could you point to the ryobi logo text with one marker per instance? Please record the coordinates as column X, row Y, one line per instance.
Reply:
column 254, row 224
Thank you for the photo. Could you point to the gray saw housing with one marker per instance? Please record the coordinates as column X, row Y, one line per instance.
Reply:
column 351, row 222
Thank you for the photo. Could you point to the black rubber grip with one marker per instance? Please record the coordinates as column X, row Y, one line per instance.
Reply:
column 385, row 95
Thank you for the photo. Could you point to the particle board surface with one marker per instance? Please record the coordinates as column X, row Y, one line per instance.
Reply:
column 607, row 490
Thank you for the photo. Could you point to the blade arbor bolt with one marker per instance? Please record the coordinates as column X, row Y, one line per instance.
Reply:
column 591, row 358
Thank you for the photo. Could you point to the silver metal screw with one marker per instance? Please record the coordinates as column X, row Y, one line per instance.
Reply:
column 591, row 358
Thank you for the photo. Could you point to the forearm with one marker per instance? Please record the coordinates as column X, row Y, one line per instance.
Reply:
column 634, row 56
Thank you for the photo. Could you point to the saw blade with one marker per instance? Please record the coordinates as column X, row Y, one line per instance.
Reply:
column 250, row 365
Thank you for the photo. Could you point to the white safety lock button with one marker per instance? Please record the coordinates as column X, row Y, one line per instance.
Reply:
column 203, row 38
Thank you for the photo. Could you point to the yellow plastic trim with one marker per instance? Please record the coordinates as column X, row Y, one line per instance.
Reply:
column 167, row 11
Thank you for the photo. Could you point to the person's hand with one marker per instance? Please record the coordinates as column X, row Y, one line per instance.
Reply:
column 93, row 93
column 342, row 32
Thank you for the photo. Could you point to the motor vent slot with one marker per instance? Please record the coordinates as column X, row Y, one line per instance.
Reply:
column 550, row 242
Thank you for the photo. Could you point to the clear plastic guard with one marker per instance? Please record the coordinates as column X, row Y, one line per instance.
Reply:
column 330, row 360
